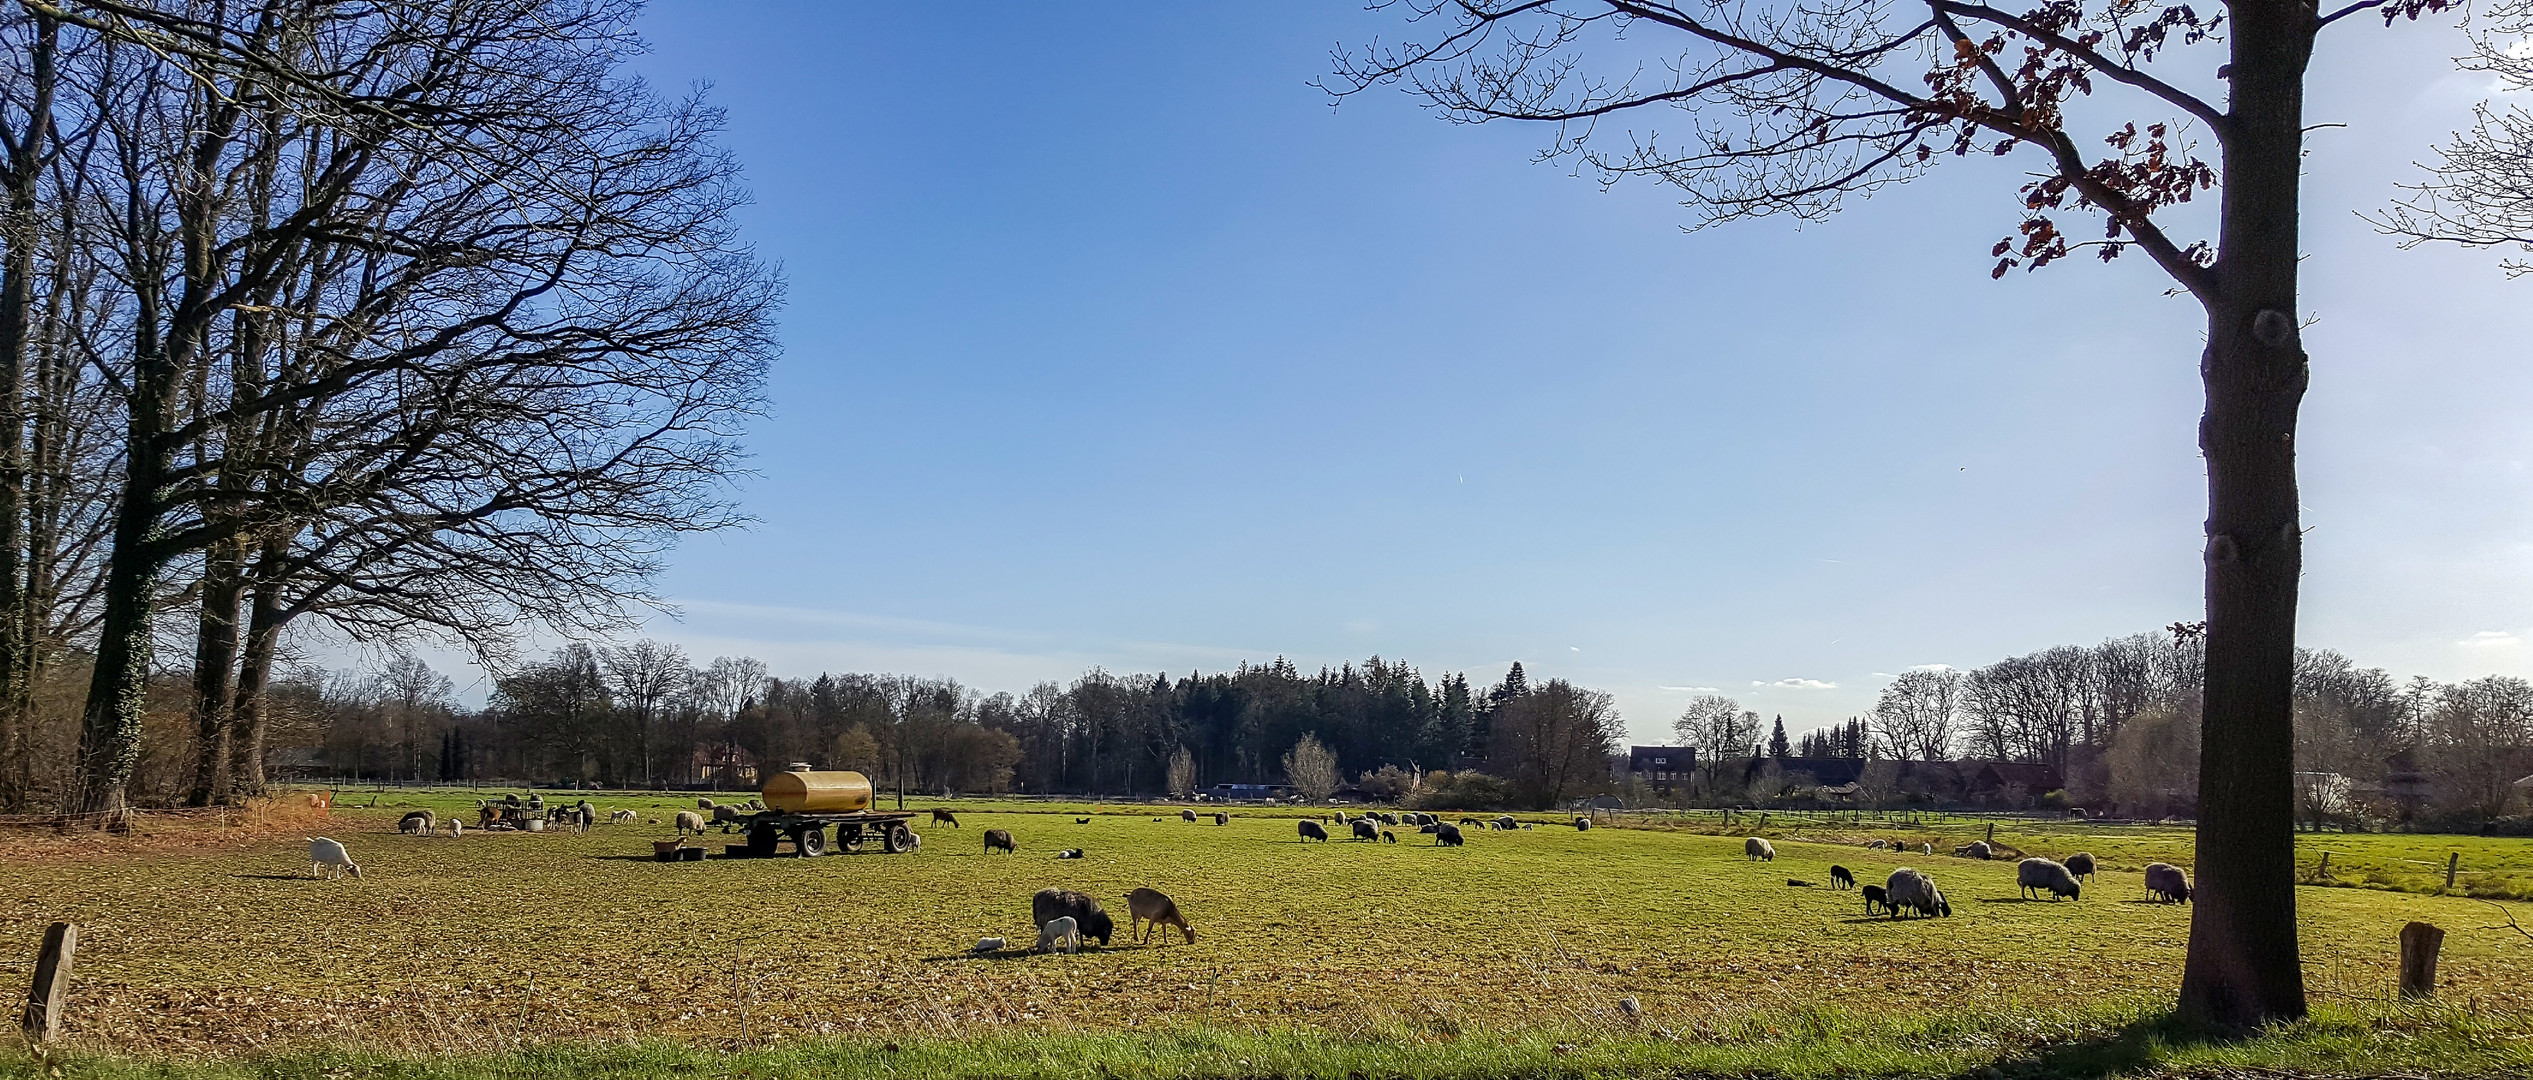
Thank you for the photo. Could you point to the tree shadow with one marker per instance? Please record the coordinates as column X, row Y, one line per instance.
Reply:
column 1026, row 953
column 276, row 877
column 2129, row 1049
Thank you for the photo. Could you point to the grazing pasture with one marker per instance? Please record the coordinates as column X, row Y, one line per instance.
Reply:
column 479, row 942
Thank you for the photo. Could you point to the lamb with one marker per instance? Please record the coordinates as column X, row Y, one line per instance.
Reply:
column 1059, row 934
column 2167, row 883
column 1001, row 838
column 1388, row 837
column 988, row 945
column 588, row 813
column 944, row 817
column 726, row 816
column 1879, row 845
column 457, row 828
column 1876, row 898
column 1364, row 829
column 2036, row 874
column 1188, row 816
column 1155, row 907
column 1582, row 824
column 1756, row 848
column 1081, row 821
column 1221, row 818
column 622, row 817
column 1069, row 853
column 1841, row 878
column 1914, row 891
column 689, row 821
column 1924, row 848
column 1312, row 830
column 1051, row 904
column 2080, row 864
column 324, row 853
column 1505, row 822
column 1976, row 849
column 1446, row 835
column 417, row 823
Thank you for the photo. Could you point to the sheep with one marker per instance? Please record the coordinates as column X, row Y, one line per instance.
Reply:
column 1876, row 898
column 417, row 823
column 1841, row 878
column 726, row 816
column 1505, row 822
column 457, row 828
column 588, row 813
column 1081, row 821
column 2036, row 874
column 324, row 853
column 1364, row 829
column 1387, row 819
column 2167, row 883
column 2080, row 864
column 1976, row 849
column 944, row 817
column 1759, row 849
column 1446, row 835
column 1069, row 853
column 1312, row 830
column 1050, row 904
column 1912, row 890
column 703, row 804
column 1188, row 816
column 1221, row 818
column 1001, row 838
column 1525, row 826
column 753, row 804
column 1388, row 837
column 1059, row 935
column 1582, row 824
column 1155, row 907
column 622, row 817
column 1924, row 848
column 989, row 945
column 689, row 821
column 1879, row 845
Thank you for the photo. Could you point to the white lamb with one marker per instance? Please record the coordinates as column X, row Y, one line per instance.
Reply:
column 324, row 853
column 991, row 944
column 457, row 828
column 621, row 817
column 1061, row 933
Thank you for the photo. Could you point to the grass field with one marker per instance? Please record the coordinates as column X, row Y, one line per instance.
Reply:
column 483, row 945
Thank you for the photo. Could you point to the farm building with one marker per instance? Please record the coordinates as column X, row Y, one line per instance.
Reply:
column 1662, row 767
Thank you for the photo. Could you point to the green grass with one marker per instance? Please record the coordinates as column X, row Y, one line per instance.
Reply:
column 578, row 955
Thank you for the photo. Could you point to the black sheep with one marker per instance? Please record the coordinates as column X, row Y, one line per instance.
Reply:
column 1840, row 878
column 1051, row 904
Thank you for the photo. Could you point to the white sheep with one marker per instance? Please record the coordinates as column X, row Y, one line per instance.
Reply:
column 1976, row 849
column 622, row 817
column 1756, row 848
column 2037, row 874
column 1912, row 890
column 1060, row 933
column 689, row 821
column 417, row 823
column 991, row 944
column 457, row 828
column 323, row 853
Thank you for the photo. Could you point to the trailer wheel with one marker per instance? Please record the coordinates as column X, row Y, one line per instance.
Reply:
column 810, row 842
column 849, row 837
column 761, row 840
column 899, row 839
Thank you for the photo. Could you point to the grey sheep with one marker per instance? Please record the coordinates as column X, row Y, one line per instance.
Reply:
column 2080, row 864
column 1001, row 838
column 1505, row 822
column 2167, row 883
column 418, row 823
column 2037, row 874
column 1364, row 829
column 1912, row 890
column 1312, row 830
column 1976, row 849
column 1051, row 904
column 1445, row 835
column 1756, row 848
column 1187, row 815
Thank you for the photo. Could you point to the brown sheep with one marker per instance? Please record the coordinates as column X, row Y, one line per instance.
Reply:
column 944, row 817
column 1155, row 907
column 1001, row 838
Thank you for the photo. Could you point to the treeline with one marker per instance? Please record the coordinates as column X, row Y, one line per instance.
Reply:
column 2118, row 724
column 644, row 716
column 414, row 318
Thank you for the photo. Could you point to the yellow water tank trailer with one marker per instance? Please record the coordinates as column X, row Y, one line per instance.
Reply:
column 800, row 790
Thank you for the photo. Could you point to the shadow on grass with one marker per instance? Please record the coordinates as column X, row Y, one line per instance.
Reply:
column 2129, row 1048
column 1026, row 953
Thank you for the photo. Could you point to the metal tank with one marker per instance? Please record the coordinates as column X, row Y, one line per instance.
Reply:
column 800, row 790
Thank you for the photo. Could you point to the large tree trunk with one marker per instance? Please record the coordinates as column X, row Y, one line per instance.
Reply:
column 214, row 662
column 254, row 710
column 26, row 154
column 118, row 690
column 2243, row 969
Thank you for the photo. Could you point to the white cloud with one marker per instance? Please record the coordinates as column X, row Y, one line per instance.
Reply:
column 1691, row 689
column 1796, row 684
column 2490, row 639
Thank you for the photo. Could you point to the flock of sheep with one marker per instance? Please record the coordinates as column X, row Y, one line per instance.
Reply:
column 1913, row 891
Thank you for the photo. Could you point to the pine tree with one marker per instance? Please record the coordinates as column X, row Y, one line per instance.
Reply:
column 1777, row 747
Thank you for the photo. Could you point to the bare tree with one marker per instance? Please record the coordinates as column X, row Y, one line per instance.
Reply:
column 1182, row 773
column 1719, row 728
column 1916, row 714
column 647, row 676
column 1555, row 742
column 2482, row 192
column 2480, row 741
column 1312, row 769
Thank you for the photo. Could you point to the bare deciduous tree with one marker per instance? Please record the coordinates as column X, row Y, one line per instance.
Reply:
column 1915, row 715
column 1312, row 769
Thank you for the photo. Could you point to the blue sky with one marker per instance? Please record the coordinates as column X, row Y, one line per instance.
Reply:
column 1111, row 342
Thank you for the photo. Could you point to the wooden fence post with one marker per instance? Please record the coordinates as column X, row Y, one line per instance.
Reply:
column 2453, row 860
column 2324, row 874
column 43, row 1019
column 2419, row 945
